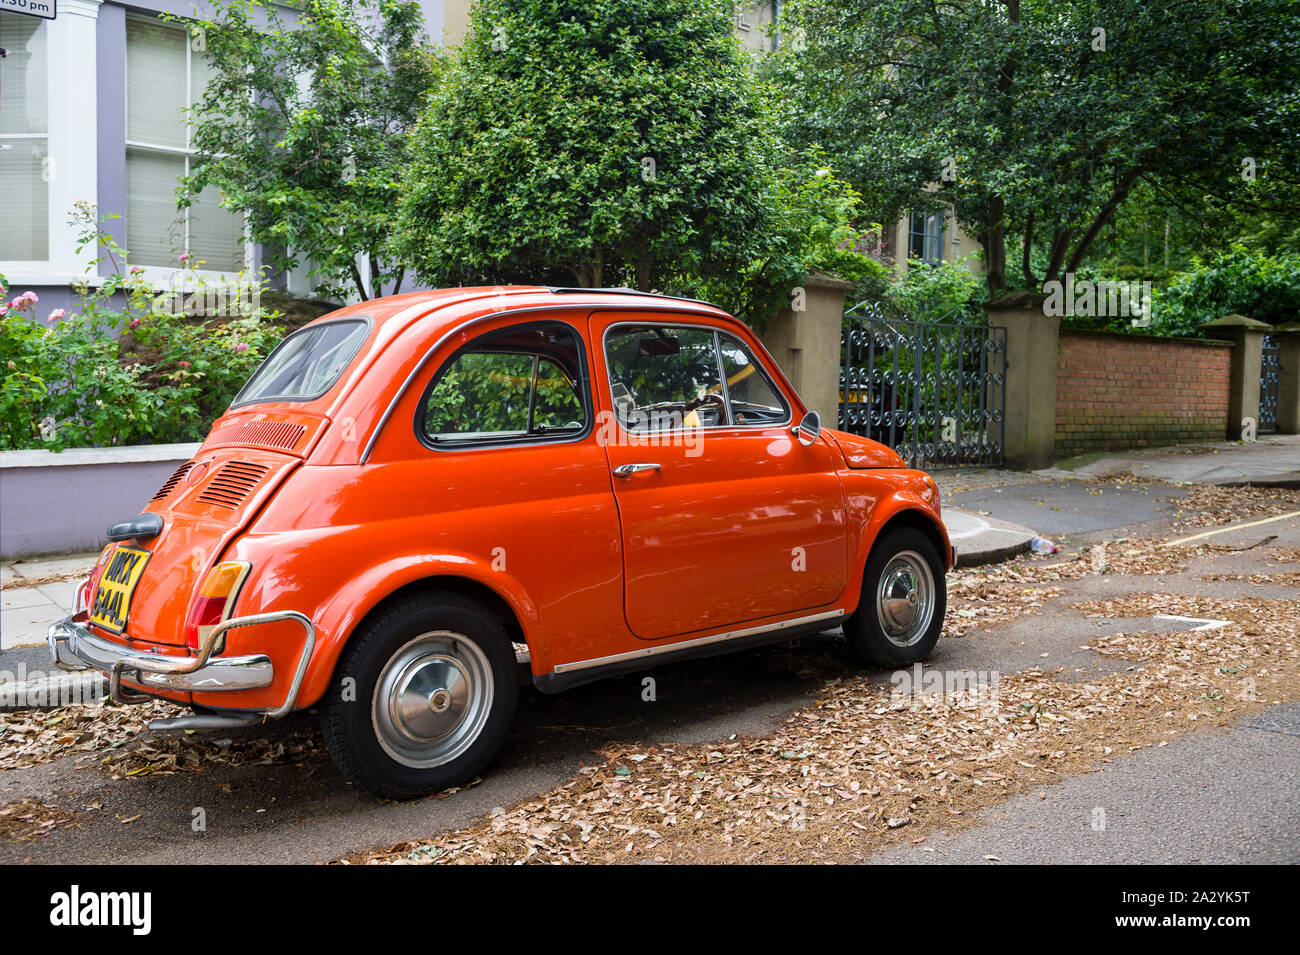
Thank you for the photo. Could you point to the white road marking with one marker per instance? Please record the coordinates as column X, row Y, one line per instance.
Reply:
column 1207, row 623
column 1232, row 527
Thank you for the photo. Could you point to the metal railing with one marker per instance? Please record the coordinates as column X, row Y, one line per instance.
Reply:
column 934, row 391
column 1270, row 374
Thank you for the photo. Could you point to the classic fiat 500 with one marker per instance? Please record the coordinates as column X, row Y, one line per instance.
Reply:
column 412, row 490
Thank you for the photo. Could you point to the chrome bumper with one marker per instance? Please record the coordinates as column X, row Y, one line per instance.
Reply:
column 74, row 647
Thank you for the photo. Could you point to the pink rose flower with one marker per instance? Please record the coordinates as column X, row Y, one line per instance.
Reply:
column 241, row 347
column 24, row 301
column 134, row 322
column 185, row 257
column 57, row 314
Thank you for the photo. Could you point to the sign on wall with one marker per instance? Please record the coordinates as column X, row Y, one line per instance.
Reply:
column 45, row 9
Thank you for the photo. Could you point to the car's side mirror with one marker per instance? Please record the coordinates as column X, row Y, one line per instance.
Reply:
column 808, row 429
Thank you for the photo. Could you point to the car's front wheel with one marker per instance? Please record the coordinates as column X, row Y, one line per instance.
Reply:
column 422, row 698
column 903, row 600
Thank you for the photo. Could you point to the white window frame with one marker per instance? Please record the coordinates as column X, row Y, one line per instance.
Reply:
column 20, row 269
column 933, row 225
column 161, row 275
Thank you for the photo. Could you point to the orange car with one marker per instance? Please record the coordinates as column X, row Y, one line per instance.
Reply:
column 411, row 490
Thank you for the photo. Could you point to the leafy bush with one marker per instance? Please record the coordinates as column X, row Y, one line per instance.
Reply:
column 945, row 292
column 819, row 226
column 105, row 375
column 1241, row 281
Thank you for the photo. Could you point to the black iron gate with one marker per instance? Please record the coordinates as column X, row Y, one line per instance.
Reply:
column 933, row 391
column 1270, row 372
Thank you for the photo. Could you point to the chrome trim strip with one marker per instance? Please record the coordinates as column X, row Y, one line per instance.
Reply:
column 699, row 642
column 465, row 326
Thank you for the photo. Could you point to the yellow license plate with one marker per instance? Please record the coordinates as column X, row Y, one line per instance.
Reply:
column 113, row 596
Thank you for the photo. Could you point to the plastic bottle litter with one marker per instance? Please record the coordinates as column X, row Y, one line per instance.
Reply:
column 1041, row 545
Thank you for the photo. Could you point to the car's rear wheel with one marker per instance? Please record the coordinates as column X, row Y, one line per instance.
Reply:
column 903, row 600
column 422, row 698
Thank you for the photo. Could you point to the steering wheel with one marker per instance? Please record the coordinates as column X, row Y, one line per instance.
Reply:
column 710, row 398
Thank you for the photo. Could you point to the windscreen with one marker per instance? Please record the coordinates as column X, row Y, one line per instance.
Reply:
column 306, row 364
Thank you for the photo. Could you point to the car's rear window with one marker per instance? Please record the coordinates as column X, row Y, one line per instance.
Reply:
column 306, row 364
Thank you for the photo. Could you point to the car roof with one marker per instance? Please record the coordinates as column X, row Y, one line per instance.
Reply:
column 450, row 306
column 433, row 313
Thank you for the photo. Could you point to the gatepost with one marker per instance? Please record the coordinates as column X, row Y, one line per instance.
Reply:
column 1033, row 338
column 805, row 341
column 1247, row 337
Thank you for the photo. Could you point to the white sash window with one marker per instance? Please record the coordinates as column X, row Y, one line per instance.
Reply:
column 164, row 76
column 25, row 167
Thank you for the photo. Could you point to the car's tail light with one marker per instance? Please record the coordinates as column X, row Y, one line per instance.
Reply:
column 215, row 600
column 86, row 592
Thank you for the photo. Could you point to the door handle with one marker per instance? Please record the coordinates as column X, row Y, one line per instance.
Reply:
column 627, row 470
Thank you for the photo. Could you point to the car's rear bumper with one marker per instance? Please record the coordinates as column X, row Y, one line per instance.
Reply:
column 73, row 646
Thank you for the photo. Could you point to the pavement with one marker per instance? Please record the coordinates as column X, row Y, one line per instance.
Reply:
column 1240, row 782
column 1272, row 461
column 33, row 595
column 36, row 593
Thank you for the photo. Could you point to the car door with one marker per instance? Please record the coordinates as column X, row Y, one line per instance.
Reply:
column 725, row 517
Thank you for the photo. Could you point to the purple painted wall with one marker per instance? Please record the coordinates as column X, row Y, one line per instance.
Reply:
column 60, row 503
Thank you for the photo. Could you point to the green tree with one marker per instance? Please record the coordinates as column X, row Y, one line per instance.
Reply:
column 818, row 223
column 597, row 142
column 1036, row 119
column 303, row 128
column 1236, row 280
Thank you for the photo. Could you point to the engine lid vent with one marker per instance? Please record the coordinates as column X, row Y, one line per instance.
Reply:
column 268, row 434
column 177, row 476
column 232, row 484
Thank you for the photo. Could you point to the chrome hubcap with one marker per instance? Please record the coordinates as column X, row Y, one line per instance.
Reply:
column 432, row 699
column 905, row 599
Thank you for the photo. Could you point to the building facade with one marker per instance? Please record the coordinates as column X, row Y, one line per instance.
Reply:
column 92, row 112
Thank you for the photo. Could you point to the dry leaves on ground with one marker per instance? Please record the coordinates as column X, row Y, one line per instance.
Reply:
column 864, row 768
column 114, row 739
column 987, row 597
column 1291, row 579
column 1208, row 504
column 30, row 819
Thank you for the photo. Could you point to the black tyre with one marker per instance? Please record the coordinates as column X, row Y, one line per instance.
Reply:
column 904, row 598
column 422, row 698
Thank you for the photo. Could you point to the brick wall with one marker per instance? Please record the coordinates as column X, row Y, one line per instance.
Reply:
column 1125, row 391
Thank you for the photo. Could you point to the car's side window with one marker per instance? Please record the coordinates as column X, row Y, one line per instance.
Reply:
column 665, row 377
column 520, row 383
column 753, row 398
